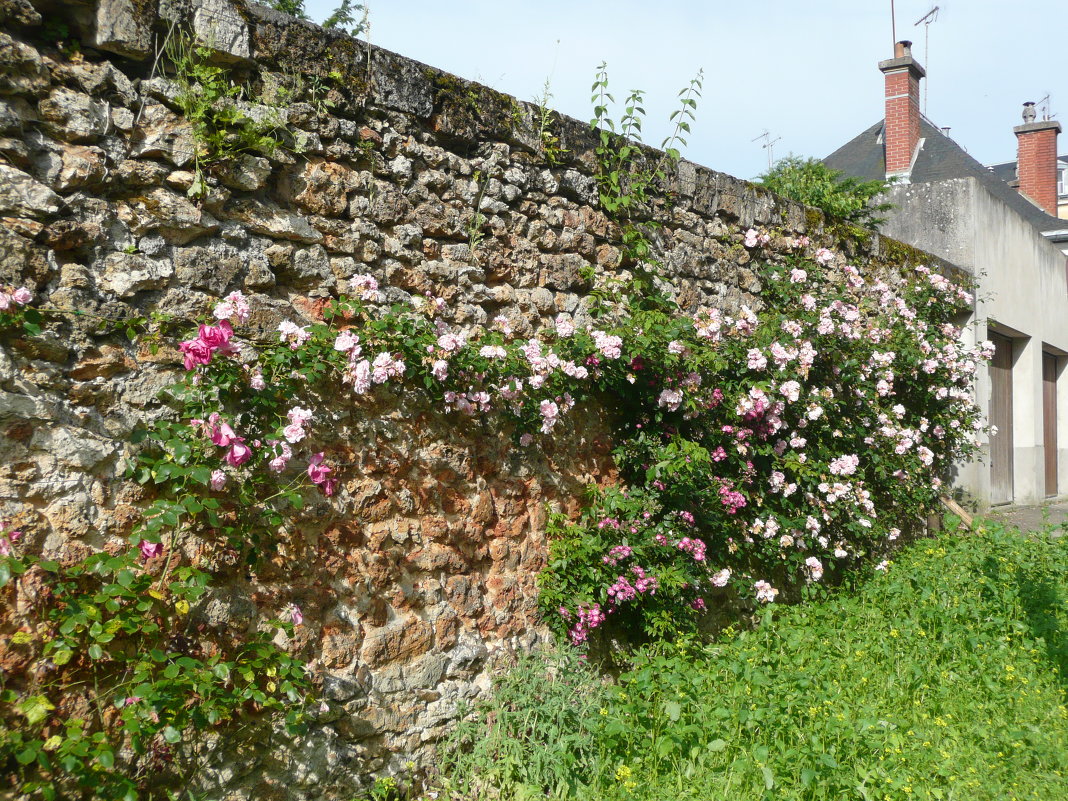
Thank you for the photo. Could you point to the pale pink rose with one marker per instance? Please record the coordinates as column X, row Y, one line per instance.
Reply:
column 361, row 380
column 671, row 399
column 346, row 341
column 299, row 416
column 233, row 305
column 564, row 326
column 22, row 296
column 218, row 480
column 765, row 593
column 294, row 432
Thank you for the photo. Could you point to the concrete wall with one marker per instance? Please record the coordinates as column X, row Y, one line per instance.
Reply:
column 1022, row 294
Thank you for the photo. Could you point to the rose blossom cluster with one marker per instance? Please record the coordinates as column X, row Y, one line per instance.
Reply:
column 209, row 340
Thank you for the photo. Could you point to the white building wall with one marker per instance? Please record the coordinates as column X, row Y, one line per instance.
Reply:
column 1022, row 293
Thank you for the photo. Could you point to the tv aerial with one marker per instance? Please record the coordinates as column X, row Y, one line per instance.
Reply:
column 926, row 20
column 769, row 145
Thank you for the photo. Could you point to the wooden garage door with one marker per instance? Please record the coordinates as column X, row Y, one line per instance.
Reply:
column 1001, row 418
column 1049, row 420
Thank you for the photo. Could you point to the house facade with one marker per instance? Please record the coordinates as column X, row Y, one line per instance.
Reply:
column 1010, row 239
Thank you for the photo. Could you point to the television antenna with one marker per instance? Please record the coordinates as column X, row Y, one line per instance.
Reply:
column 1043, row 106
column 769, row 145
column 926, row 20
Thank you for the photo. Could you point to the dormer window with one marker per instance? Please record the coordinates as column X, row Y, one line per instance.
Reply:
column 1062, row 178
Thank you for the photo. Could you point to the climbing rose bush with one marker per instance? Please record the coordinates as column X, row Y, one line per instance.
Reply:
column 760, row 449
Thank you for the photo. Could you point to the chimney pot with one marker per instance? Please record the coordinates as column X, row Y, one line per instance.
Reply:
column 903, row 49
column 1029, row 111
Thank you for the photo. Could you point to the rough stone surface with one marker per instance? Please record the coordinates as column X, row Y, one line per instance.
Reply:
column 220, row 25
column 121, row 29
column 74, row 115
column 417, row 579
column 21, row 195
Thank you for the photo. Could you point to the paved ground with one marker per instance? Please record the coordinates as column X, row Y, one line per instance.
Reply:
column 1031, row 518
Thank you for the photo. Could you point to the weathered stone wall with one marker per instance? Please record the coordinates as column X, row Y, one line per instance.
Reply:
column 419, row 577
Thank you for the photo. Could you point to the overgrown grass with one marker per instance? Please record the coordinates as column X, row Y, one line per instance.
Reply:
column 944, row 679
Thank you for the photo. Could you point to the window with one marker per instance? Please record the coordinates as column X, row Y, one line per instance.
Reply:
column 1062, row 178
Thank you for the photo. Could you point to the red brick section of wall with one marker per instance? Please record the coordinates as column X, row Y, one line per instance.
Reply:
column 1037, row 162
column 902, row 125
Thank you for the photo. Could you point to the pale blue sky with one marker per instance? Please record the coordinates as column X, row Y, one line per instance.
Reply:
column 805, row 70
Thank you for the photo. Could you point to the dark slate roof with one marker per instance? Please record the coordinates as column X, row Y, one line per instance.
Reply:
column 939, row 159
column 1007, row 171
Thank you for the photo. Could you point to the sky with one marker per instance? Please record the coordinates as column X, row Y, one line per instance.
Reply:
column 805, row 71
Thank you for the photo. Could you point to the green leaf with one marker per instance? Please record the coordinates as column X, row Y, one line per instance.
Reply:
column 35, row 709
column 673, row 710
column 171, row 734
column 769, row 777
column 202, row 475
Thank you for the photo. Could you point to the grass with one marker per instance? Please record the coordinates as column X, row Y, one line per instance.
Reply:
column 944, row 678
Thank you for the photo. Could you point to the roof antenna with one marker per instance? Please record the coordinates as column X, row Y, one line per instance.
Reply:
column 926, row 19
column 769, row 145
column 1043, row 106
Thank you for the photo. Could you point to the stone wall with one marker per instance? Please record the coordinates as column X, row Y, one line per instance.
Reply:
column 418, row 579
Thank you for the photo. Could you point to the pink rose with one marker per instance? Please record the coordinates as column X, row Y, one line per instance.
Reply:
column 22, row 296
column 239, row 453
column 196, row 352
column 294, row 614
column 150, row 550
column 216, row 336
column 317, row 472
column 223, row 435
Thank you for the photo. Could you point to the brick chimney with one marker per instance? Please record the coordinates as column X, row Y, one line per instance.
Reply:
column 901, row 130
column 1036, row 159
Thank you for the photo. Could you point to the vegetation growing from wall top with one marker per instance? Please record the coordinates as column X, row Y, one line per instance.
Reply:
column 813, row 183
